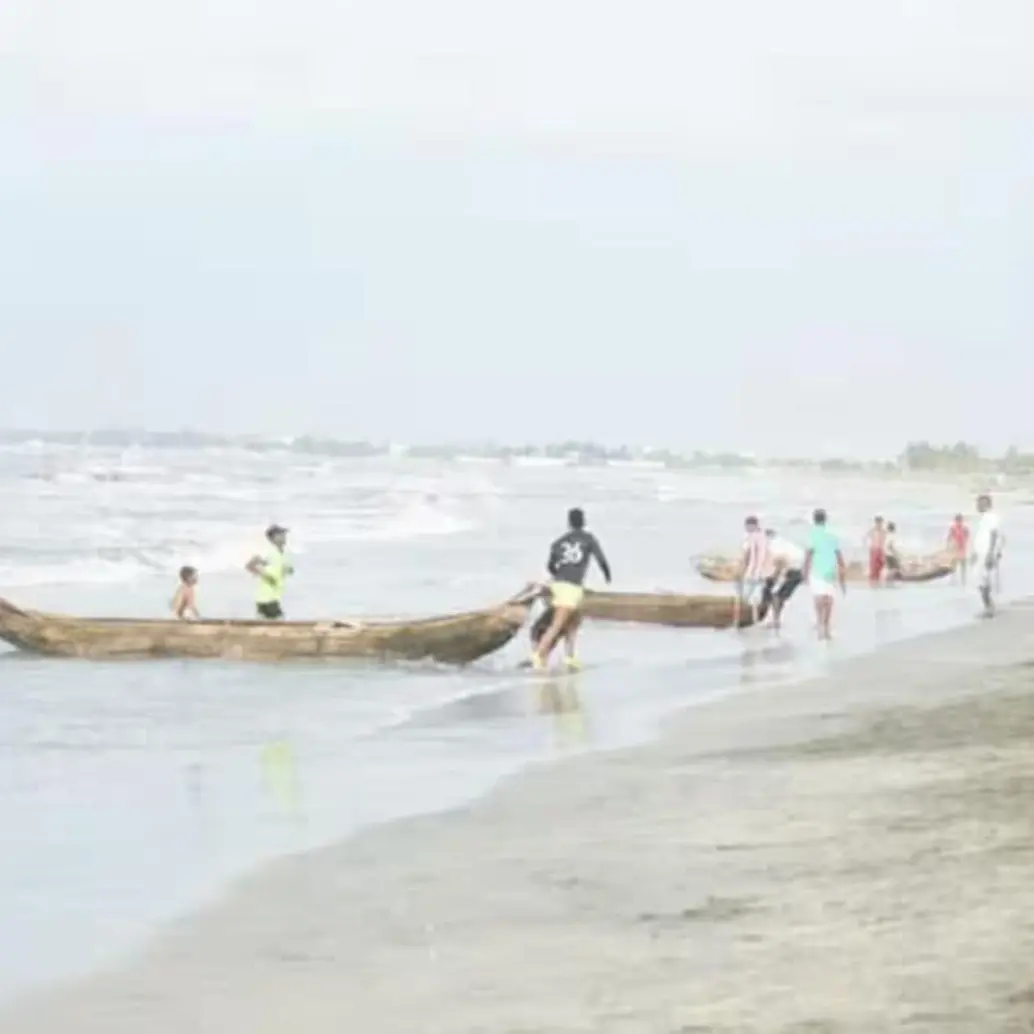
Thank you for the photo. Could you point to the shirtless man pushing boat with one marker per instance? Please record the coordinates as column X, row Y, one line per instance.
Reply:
column 568, row 562
column 787, row 574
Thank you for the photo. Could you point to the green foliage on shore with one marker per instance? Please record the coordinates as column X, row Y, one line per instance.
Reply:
column 961, row 458
column 964, row 458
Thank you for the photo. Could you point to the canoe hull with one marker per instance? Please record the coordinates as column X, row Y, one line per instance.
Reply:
column 914, row 569
column 672, row 609
column 659, row 608
column 456, row 639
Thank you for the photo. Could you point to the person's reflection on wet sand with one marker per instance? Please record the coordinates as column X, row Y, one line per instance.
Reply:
column 888, row 622
column 280, row 775
column 757, row 665
column 560, row 698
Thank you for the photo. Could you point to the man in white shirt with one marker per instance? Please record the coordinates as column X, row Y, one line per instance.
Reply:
column 987, row 546
column 788, row 565
column 755, row 564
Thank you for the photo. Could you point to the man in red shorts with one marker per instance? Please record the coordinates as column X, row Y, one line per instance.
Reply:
column 876, row 542
column 958, row 545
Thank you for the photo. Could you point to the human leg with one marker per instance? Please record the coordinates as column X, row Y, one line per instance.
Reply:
column 565, row 599
column 570, row 633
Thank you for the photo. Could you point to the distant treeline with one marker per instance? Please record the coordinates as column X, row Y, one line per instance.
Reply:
column 961, row 458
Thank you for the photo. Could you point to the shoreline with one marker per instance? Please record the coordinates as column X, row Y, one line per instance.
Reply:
column 633, row 889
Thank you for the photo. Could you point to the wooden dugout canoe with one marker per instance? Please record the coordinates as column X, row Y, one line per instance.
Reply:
column 913, row 569
column 658, row 608
column 456, row 639
column 667, row 608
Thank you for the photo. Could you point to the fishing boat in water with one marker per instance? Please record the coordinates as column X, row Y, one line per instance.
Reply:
column 454, row 639
column 913, row 568
column 674, row 610
column 670, row 608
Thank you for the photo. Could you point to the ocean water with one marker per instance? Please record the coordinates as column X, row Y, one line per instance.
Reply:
column 130, row 792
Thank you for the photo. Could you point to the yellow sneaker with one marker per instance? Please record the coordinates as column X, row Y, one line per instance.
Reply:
column 537, row 662
column 573, row 664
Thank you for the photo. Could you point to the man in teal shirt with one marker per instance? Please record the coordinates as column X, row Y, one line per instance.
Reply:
column 823, row 569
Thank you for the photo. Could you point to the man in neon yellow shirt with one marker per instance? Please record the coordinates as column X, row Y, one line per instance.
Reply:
column 271, row 571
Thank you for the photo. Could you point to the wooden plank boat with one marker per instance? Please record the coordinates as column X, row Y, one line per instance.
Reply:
column 667, row 608
column 658, row 608
column 456, row 639
column 913, row 568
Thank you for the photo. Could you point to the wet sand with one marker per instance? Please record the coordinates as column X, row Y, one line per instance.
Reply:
column 851, row 854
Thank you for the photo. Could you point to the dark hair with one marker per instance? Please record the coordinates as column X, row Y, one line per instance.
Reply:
column 187, row 573
column 751, row 522
column 576, row 518
column 819, row 516
column 891, row 526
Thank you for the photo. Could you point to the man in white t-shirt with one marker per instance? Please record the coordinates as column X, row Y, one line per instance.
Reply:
column 755, row 564
column 788, row 564
column 987, row 546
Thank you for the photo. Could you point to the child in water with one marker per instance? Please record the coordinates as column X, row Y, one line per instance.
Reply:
column 183, row 603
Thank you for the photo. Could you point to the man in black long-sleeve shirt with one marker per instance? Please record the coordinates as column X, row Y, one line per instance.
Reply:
column 568, row 562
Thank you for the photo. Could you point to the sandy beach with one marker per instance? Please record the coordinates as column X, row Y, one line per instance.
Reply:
column 849, row 854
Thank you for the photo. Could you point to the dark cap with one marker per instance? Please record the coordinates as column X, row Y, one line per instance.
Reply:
column 275, row 529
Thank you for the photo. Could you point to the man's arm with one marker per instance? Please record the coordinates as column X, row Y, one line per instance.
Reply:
column 257, row 566
column 841, row 572
column 992, row 549
column 597, row 552
column 552, row 559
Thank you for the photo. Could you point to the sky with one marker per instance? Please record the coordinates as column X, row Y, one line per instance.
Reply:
column 795, row 227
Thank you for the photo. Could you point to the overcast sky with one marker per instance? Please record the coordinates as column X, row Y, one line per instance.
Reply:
column 794, row 226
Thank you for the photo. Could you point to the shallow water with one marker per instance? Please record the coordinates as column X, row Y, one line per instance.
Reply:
column 131, row 791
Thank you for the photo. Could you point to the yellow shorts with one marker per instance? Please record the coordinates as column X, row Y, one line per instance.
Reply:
column 566, row 595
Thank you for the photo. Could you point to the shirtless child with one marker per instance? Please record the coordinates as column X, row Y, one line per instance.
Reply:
column 183, row 604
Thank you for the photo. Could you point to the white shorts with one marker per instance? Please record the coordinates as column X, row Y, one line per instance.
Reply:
column 753, row 590
column 821, row 587
column 984, row 573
